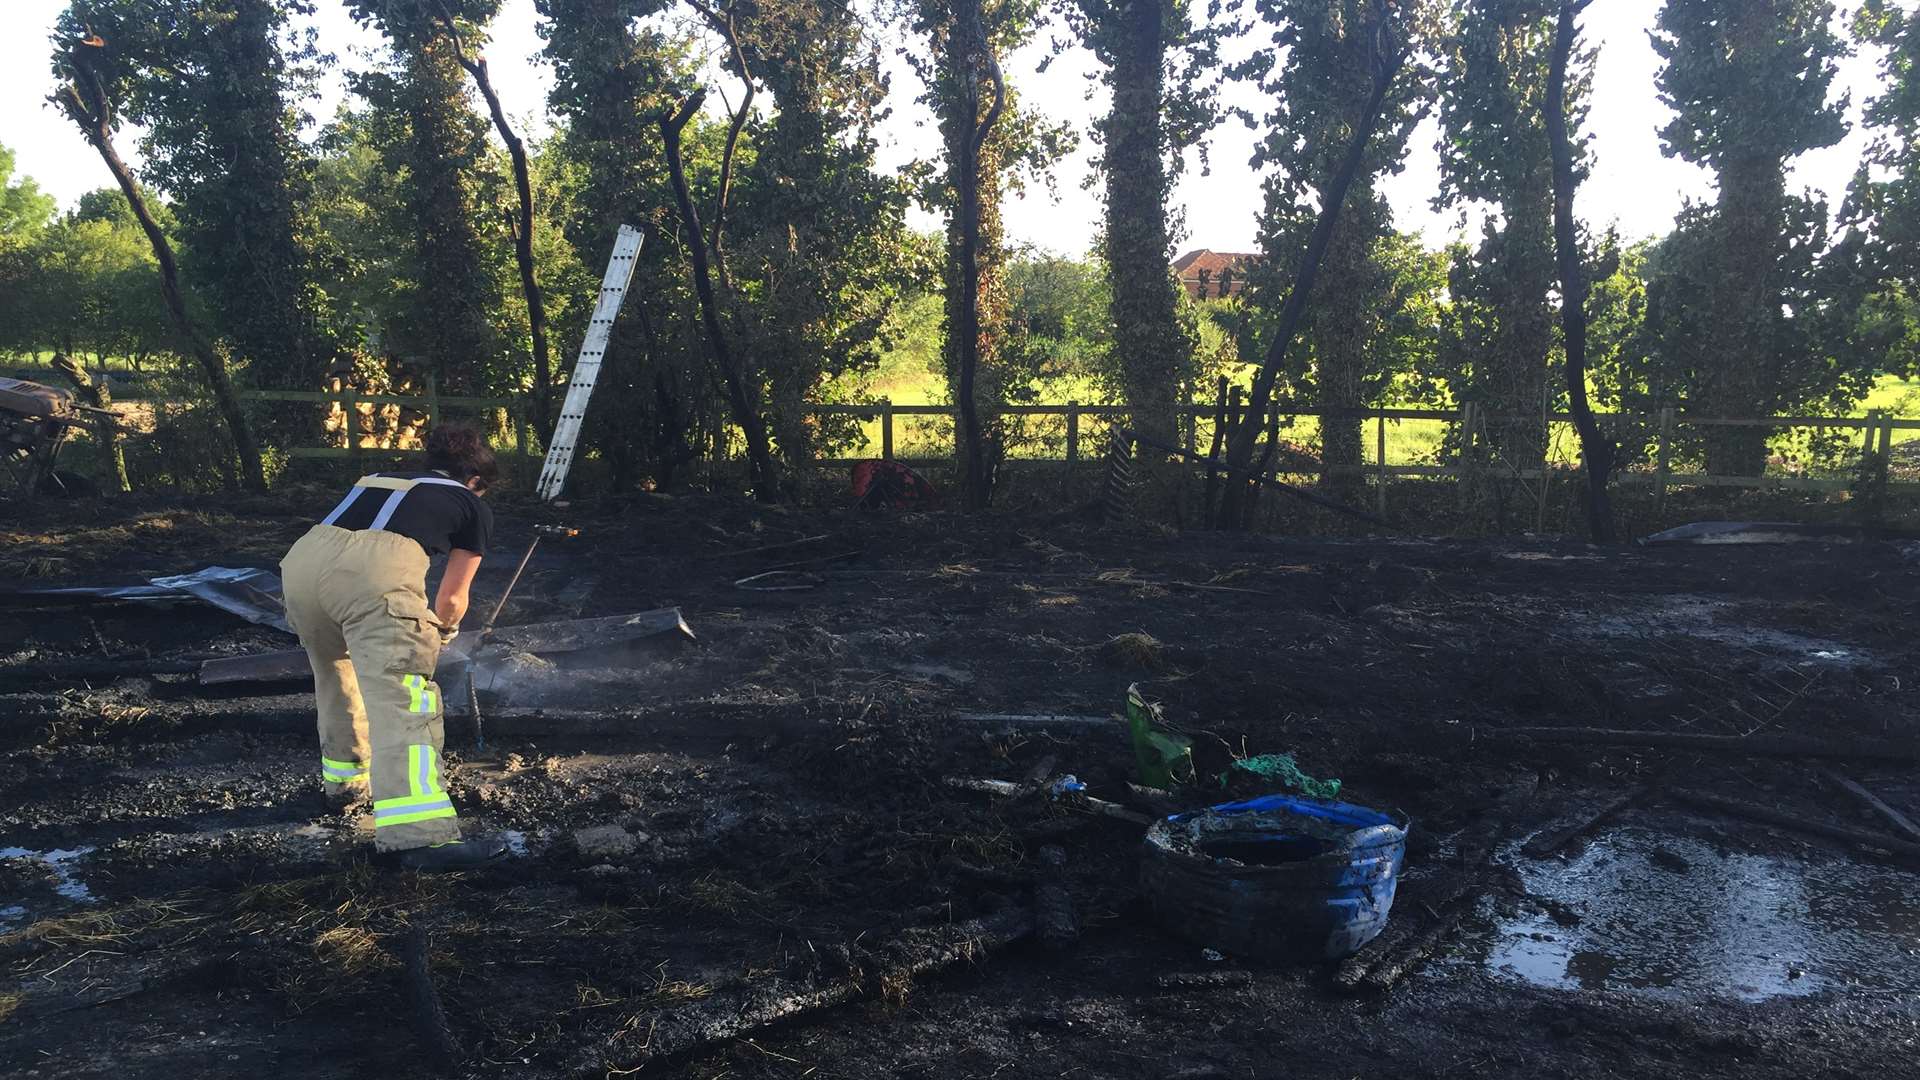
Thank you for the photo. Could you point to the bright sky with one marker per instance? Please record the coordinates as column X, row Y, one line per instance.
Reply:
column 1632, row 186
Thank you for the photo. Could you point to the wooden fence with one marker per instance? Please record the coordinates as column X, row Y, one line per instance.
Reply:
column 1874, row 431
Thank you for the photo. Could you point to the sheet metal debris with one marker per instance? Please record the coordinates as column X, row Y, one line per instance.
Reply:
column 250, row 593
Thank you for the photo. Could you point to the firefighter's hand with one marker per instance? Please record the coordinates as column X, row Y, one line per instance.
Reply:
column 447, row 634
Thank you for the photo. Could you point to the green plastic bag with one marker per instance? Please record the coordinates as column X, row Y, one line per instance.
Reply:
column 1283, row 768
column 1160, row 757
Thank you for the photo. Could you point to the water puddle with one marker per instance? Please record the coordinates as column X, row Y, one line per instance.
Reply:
column 1707, row 619
column 1668, row 916
column 59, row 863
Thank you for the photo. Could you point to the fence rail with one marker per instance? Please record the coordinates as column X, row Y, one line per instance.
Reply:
column 1876, row 434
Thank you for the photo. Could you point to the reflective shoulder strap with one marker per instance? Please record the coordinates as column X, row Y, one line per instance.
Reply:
column 352, row 494
column 399, row 488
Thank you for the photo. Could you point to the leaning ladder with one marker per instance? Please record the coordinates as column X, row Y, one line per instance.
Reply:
column 586, row 369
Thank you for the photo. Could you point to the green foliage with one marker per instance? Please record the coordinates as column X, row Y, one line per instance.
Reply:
column 432, row 144
column 24, row 209
column 1320, row 92
column 1022, row 145
column 1748, row 80
column 211, row 82
column 817, row 240
column 1494, row 149
column 1886, row 200
column 1738, row 320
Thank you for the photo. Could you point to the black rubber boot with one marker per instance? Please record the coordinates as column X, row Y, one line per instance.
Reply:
column 466, row 854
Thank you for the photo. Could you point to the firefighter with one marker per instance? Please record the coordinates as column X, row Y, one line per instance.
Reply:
column 356, row 594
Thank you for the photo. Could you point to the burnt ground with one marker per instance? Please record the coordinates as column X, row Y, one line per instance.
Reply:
column 175, row 902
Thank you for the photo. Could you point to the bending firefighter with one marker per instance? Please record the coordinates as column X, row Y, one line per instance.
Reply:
column 356, row 594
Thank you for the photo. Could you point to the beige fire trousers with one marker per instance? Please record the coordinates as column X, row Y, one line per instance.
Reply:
column 358, row 600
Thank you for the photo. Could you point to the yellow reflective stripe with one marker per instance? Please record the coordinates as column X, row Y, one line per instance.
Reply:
column 410, row 808
column 401, row 802
column 445, row 811
column 343, row 766
column 421, row 695
column 415, row 773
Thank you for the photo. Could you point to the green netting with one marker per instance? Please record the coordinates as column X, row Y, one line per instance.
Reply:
column 1283, row 768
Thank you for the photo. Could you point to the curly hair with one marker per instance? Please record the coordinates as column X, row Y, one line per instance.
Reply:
column 463, row 454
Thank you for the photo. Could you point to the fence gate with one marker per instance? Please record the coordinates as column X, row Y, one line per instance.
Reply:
column 586, row 369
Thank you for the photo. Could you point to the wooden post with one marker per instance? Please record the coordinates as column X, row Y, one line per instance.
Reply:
column 1663, row 459
column 1380, row 464
column 350, row 404
column 1463, row 475
column 433, row 402
column 1073, row 433
column 519, row 422
column 886, row 429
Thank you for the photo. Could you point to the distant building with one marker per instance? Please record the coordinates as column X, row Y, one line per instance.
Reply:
column 1208, row 274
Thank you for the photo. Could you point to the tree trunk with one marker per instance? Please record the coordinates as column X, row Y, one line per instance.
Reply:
column 451, row 321
column 1341, row 335
column 1595, row 448
column 94, row 392
column 1151, row 350
column 970, row 53
column 86, row 104
column 522, row 228
column 741, row 392
column 1246, row 433
column 1516, row 384
column 1745, row 295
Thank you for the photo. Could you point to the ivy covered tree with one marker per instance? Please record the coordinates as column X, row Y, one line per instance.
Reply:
column 988, row 139
column 1495, row 150
column 435, row 144
column 1749, row 82
column 1321, row 96
column 213, row 83
column 1156, row 61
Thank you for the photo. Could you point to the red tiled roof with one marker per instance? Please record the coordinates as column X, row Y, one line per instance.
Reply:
column 1204, row 272
column 1190, row 264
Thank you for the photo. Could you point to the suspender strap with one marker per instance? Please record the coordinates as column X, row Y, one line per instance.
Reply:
column 397, row 489
column 352, row 494
column 387, row 508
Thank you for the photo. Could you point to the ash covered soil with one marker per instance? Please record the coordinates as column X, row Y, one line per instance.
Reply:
column 765, row 806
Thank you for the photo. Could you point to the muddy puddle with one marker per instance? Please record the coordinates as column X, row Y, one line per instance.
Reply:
column 56, row 869
column 1669, row 916
column 1708, row 619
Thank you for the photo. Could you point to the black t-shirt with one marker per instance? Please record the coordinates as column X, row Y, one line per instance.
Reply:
column 438, row 515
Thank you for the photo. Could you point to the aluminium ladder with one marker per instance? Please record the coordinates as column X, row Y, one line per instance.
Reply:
column 586, row 369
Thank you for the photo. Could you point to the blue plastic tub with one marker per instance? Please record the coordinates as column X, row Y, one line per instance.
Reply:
column 1276, row 878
